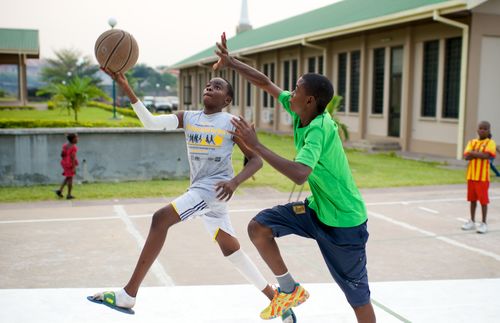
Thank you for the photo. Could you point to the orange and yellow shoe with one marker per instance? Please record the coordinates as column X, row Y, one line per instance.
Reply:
column 283, row 301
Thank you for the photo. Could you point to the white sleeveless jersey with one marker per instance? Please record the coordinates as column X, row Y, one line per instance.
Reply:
column 209, row 148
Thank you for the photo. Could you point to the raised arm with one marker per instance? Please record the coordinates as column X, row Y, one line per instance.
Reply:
column 150, row 121
column 251, row 74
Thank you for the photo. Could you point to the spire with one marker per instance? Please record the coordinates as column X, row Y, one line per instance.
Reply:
column 244, row 23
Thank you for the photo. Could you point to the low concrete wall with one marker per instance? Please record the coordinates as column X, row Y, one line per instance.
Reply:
column 32, row 156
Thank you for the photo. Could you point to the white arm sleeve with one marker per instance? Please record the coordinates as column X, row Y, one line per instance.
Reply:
column 152, row 122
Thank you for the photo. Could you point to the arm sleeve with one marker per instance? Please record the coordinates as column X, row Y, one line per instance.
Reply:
column 468, row 149
column 152, row 122
column 491, row 148
column 310, row 153
column 284, row 99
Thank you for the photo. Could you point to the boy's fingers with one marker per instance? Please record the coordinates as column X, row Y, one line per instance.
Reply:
column 221, row 48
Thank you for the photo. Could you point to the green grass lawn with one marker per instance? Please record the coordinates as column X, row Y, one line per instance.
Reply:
column 86, row 114
column 369, row 170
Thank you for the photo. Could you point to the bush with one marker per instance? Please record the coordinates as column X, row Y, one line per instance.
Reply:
column 20, row 107
column 9, row 123
column 108, row 107
column 51, row 105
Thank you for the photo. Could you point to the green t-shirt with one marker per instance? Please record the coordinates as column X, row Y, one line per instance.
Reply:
column 335, row 197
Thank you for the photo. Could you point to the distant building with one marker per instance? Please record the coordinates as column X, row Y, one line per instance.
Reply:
column 244, row 23
column 419, row 74
column 16, row 46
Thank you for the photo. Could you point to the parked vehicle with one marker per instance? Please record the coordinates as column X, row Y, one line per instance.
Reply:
column 174, row 101
column 161, row 103
column 149, row 103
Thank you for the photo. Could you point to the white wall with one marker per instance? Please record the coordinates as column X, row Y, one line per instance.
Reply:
column 489, row 83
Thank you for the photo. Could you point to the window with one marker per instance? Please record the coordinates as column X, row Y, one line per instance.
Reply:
column 290, row 74
column 249, row 94
column 342, row 78
column 295, row 74
column 286, row 74
column 235, row 80
column 430, row 78
column 201, row 87
column 311, row 65
column 451, row 91
column 315, row 64
column 268, row 99
column 378, row 80
column 354, row 83
column 187, row 90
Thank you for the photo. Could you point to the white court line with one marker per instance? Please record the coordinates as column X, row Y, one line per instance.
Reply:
column 428, row 210
column 233, row 211
column 157, row 268
column 462, row 220
column 434, row 235
column 60, row 220
column 425, row 201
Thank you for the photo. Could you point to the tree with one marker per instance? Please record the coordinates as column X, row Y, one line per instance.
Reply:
column 332, row 108
column 67, row 64
column 76, row 93
column 147, row 78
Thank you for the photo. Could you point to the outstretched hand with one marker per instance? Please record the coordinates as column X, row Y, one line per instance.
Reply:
column 245, row 132
column 118, row 77
column 223, row 53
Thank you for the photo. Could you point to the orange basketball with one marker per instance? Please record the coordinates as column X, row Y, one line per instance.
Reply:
column 116, row 50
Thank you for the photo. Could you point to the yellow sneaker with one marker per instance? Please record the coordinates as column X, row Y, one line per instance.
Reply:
column 283, row 301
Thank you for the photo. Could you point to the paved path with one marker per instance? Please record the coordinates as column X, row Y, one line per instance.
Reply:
column 422, row 267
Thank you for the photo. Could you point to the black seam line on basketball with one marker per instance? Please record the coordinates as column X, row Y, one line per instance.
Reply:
column 129, row 52
column 114, row 49
column 99, row 45
column 389, row 311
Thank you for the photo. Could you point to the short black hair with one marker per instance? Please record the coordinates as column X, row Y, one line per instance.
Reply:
column 320, row 87
column 71, row 137
column 230, row 90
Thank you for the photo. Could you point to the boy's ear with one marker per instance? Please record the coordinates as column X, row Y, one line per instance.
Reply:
column 228, row 100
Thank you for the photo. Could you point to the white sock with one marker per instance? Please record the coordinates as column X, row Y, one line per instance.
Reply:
column 248, row 269
column 122, row 299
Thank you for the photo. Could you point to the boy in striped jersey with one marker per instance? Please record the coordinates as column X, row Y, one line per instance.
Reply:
column 478, row 152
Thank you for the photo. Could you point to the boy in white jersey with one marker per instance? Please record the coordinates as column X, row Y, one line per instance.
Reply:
column 213, row 183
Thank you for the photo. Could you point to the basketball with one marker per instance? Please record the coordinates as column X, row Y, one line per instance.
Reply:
column 116, row 50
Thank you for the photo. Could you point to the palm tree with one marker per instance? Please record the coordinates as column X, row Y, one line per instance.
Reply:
column 69, row 63
column 332, row 108
column 76, row 93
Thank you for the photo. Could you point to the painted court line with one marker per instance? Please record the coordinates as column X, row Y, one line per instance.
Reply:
column 157, row 268
column 389, row 311
column 60, row 220
column 239, row 211
column 428, row 210
column 434, row 235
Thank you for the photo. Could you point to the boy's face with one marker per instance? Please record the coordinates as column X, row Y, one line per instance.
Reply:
column 299, row 99
column 483, row 130
column 215, row 93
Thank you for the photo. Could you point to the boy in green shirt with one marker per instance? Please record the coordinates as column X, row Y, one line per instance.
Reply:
column 334, row 215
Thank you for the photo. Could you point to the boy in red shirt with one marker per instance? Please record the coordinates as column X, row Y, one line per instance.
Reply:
column 68, row 164
column 478, row 152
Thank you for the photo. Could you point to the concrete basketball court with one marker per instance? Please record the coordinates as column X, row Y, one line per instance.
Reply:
column 422, row 267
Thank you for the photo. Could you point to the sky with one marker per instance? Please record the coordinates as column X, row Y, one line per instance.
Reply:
column 166, row 31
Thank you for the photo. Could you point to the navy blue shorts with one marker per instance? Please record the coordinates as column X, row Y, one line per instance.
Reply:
column 343, row 249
